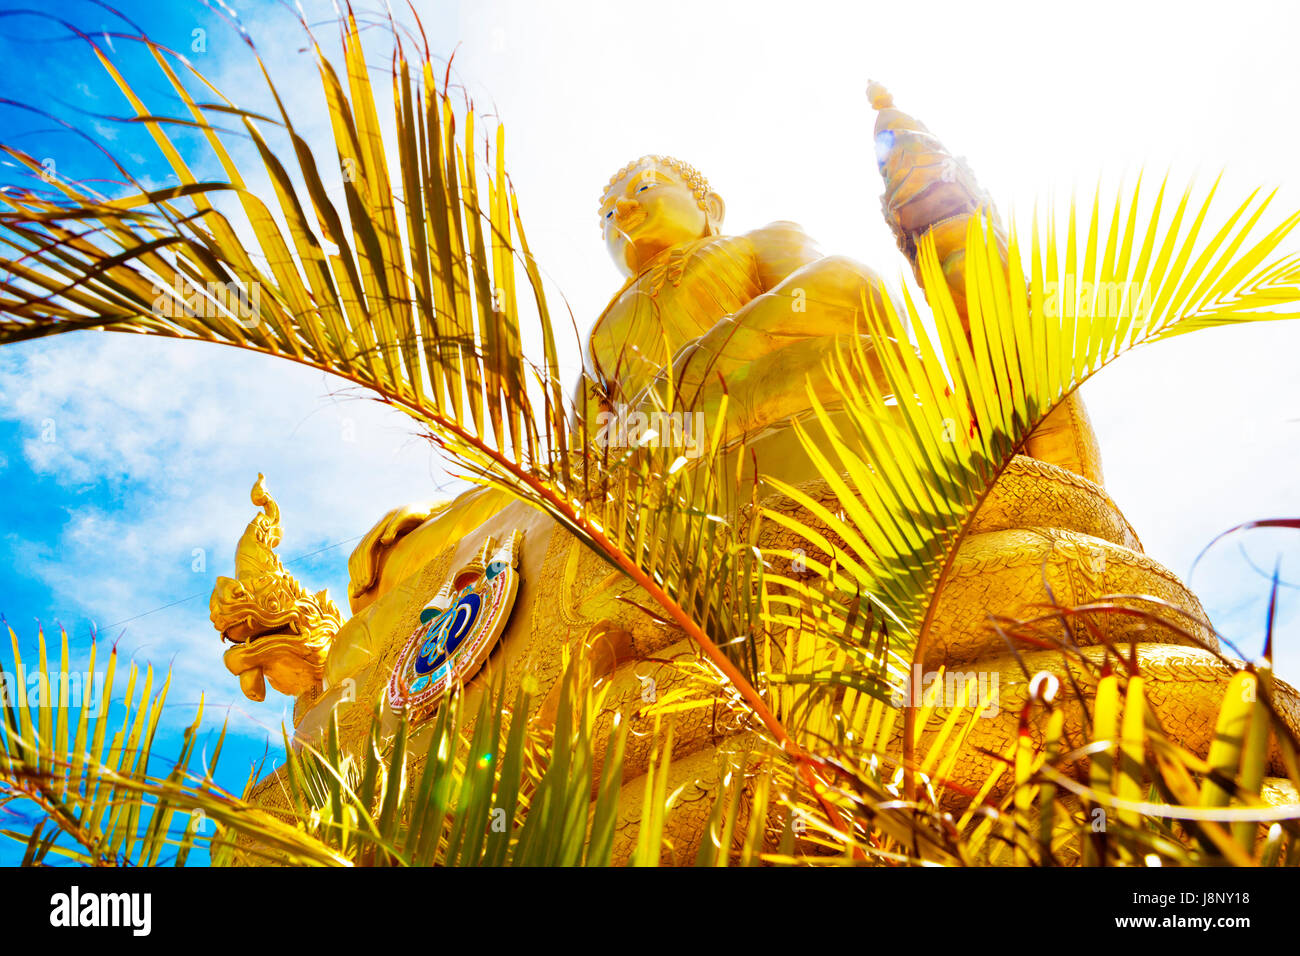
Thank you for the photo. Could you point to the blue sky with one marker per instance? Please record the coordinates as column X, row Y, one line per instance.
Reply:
column 125, row 463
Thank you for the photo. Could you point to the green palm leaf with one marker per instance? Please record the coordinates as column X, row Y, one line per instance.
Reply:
column 910, row 476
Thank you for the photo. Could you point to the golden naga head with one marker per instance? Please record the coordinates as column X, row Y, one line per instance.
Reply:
column 652, row 204
column 281, row 632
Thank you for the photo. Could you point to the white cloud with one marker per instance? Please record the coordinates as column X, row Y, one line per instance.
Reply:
column 157, row 444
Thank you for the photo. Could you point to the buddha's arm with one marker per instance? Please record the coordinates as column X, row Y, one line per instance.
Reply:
column 774, row 386
column 764, row 354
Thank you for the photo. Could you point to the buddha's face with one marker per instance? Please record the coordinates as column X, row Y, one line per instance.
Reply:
column 651, row 209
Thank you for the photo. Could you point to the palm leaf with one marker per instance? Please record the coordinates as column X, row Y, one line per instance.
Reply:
column 422, row 309
column 107, row 806
column 908, row 481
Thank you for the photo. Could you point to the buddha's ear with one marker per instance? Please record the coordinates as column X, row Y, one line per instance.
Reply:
column 716, row 210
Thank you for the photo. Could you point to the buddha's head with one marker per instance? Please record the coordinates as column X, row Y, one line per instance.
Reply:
column 652, row 204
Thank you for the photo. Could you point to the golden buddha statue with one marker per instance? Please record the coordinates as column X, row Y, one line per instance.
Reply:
column 755, row 317
column 752, row 315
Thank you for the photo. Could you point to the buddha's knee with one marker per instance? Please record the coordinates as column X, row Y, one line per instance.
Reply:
column 842, row 269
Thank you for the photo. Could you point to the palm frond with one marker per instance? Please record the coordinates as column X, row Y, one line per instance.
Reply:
column 422, row 308
column 104, row 803
column 911, row 476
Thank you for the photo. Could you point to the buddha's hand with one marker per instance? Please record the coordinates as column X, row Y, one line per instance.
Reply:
column 765, row 390
column 767, row 354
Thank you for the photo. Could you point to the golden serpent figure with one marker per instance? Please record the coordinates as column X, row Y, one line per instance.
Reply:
column 754, row 318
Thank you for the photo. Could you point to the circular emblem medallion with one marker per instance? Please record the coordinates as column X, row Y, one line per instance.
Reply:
column 458, row 629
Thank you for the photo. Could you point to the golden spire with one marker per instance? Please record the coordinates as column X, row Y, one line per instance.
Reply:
column 927, row 190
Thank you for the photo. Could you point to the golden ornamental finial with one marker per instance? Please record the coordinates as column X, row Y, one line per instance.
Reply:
column 281, row 632
column 879, row 97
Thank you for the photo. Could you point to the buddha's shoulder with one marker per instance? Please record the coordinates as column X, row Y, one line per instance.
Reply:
column 780, row 248
column 735, row 247
column 768, row 253
column 726, row 257
column 782, row 230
